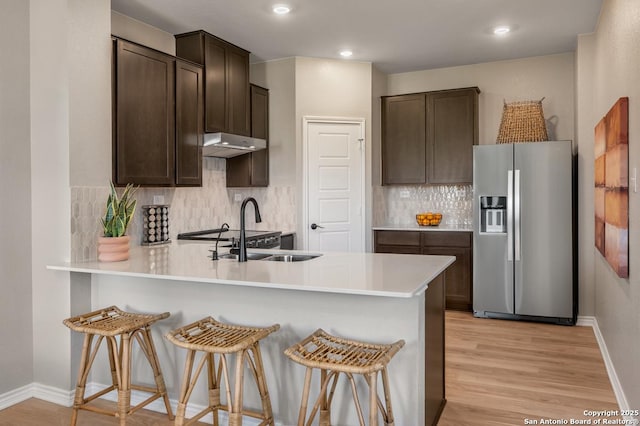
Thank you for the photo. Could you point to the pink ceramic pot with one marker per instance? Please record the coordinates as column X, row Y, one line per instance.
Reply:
column 113, row 249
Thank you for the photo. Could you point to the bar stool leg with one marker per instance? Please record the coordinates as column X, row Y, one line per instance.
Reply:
column 124, row 390
column 262, row 384
column 387, row 397
column 305, row 396
column 373, row 398
column 235, row 416
column 157, row 373
column 214, row 387
column 184, row 389
column 112, row 362
column 325, row 416
column 82, row 378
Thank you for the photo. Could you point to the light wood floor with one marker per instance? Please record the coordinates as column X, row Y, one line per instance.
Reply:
column 498, row 373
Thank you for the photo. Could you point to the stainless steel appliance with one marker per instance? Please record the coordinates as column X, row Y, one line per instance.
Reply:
column 227, row 145
column 231, row 237
column 524, row 259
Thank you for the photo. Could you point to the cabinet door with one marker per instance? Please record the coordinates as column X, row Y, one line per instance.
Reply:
column 237, row 86
column 260, row 129
column 253, row 169
column 452, row 130
column 215, row 85
column 144, row 134
column 458, row 276
column 189, row 104
column 403, row 139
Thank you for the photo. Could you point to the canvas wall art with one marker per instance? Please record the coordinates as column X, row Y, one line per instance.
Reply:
column 612, row 187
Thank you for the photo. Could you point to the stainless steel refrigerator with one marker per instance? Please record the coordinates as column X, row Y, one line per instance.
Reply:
column 524, row 245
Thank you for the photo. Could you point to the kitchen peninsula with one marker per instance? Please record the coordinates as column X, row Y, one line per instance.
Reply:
column 372, row 297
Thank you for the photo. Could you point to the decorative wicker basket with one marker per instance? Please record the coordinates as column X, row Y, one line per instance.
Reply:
column 522, row 122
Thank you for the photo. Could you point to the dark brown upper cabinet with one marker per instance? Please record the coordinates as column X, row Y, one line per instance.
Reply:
column 189, row 118
column 144, row 116
column 157, row 129
column 226, row 86
column 403, row 139
column 253, row 169
column 428, row 138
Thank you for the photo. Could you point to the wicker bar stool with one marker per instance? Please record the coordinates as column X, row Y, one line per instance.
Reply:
column 213, row 337
column 332, row 356
column 109, row 323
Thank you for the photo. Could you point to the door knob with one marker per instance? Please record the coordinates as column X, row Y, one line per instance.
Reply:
column 314, row 226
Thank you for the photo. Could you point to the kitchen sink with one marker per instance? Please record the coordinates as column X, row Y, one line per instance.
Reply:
column 291, row 257
column 272, row 257
column 250, row 256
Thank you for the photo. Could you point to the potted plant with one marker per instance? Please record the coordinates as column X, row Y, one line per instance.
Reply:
column 113, row 246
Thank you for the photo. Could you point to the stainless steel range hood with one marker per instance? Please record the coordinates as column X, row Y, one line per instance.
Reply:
column 227, row 145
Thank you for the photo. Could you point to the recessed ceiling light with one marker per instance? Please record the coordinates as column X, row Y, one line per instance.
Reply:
column 346, row 53
column 501, row 30
column 281, row 9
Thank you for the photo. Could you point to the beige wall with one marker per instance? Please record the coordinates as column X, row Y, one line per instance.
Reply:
column 279, row 77
column 300, row 87
column 551, row 77
column 16, row 349
column 90, row 94
column 51, row 61
column 584, row 139
column 378, row 89
column 608, row 68
column 41, row 90
column 133, row 30
column 331, row 88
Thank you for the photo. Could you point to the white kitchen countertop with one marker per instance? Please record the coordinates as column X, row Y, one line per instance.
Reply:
column 372, row 274
column 416, row 227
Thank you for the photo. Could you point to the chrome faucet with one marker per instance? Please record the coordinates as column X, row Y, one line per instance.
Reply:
column 242, row 255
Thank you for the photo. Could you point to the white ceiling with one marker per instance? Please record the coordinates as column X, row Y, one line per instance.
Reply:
column 395, row 35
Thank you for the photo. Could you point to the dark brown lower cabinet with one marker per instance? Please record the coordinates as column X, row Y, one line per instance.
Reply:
column 459, row 288
column 434, row 386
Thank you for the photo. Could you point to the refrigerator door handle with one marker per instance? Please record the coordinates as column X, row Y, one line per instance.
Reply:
column 516, row 215
column 510, row 215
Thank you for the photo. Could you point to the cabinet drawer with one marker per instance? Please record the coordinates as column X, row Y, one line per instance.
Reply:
column 446, row 239
column 397, row 238
column 398, row 249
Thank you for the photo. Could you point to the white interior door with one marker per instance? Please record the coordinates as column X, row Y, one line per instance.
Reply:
column 335, row 178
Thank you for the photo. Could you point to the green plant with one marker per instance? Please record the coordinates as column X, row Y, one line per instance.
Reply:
column 119, row 211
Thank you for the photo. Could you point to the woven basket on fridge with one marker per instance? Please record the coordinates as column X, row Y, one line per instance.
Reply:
column 522, row 122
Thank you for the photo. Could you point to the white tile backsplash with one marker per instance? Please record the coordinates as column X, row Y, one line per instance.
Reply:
column 190, row 209
column 399, row 204
column 206, row 207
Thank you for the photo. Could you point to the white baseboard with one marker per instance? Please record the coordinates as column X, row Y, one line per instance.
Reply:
column 37, row 390
column 65, row 398
column 15, row 396
column 585, row 321
column 592, row 322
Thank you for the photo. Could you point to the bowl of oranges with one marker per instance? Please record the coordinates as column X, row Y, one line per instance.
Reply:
column 429, row 219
